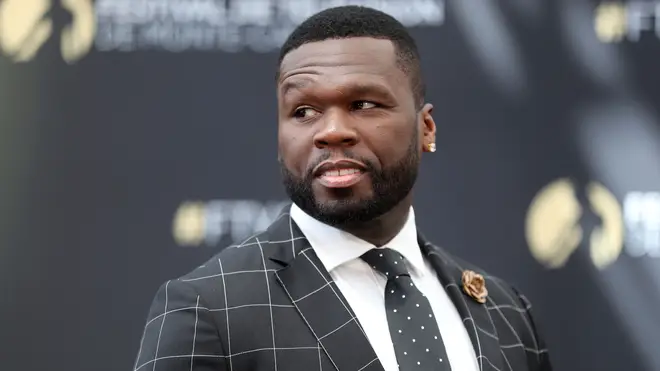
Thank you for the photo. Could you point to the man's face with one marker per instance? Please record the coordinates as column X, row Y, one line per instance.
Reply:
column 350, row 133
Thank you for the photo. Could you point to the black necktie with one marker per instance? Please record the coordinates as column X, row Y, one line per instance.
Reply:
column 413, row 327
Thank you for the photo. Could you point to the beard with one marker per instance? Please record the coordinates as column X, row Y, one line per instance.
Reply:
column 389, row 187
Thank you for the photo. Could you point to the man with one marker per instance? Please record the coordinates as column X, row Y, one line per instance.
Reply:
column 342, row 280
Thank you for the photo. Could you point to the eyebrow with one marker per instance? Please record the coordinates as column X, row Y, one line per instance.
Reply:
column 293, row 85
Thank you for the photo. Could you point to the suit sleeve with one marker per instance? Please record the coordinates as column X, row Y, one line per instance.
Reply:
column 180, row 334
column 542, row 361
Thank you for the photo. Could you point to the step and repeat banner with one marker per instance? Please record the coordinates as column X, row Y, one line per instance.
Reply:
column 138, row 138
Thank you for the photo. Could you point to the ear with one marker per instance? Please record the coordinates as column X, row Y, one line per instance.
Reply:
column 427, row 128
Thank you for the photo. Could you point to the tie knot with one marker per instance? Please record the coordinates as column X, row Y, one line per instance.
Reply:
column 386, row 261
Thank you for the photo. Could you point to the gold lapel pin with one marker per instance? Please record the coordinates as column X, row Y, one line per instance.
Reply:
column 474, row 285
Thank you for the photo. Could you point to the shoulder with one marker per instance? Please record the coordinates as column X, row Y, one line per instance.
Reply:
column 238, row 266
column 233, row 259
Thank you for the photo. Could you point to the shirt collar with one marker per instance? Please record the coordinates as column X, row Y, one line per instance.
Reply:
column 335, row 247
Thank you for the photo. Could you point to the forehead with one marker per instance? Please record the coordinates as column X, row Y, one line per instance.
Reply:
column 352, row 60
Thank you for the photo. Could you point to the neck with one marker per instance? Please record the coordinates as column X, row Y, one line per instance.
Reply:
column 382, row 230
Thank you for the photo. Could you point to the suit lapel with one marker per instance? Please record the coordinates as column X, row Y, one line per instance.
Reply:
column 318, row 300
column 476, row 318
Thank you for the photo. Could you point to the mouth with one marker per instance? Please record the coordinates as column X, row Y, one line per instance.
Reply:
column 339, row 174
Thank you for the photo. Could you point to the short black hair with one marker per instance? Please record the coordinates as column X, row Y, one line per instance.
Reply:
column 359, row 21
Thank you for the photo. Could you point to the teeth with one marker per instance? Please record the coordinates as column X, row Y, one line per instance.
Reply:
column 348, row 171
column 341, row 172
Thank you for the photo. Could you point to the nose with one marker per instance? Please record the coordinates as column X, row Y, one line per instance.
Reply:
column 336, row 133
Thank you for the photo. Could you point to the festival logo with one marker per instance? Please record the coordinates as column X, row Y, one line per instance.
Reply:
column 563, row 217
column 617, row 21
column 175, row 26
column 554, row 228
column 26, row 25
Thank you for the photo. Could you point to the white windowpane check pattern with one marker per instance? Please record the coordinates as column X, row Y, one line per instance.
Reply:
column 268, row 304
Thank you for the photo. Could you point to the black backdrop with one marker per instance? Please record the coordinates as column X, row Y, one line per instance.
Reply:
column 147, row 143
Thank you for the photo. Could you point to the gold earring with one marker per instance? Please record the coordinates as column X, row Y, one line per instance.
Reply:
column 431, row 147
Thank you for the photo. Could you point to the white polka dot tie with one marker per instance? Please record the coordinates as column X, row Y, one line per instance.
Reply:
column 413, row 328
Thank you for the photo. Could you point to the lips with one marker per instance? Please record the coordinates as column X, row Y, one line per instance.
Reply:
column 339, row 174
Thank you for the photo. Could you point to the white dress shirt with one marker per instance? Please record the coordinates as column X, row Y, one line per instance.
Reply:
column 365, row 289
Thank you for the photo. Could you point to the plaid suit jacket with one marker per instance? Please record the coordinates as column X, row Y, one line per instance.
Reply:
column 269, row 304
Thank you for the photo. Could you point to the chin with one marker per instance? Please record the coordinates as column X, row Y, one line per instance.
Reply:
column 342, row 199
column 339, row 206
column 344, row 211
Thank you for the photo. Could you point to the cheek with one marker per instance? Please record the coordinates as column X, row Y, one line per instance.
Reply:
column 391, row 142
column 291, row 151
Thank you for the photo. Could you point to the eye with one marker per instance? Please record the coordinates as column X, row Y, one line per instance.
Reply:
column 304, row 112
column 363, row 104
